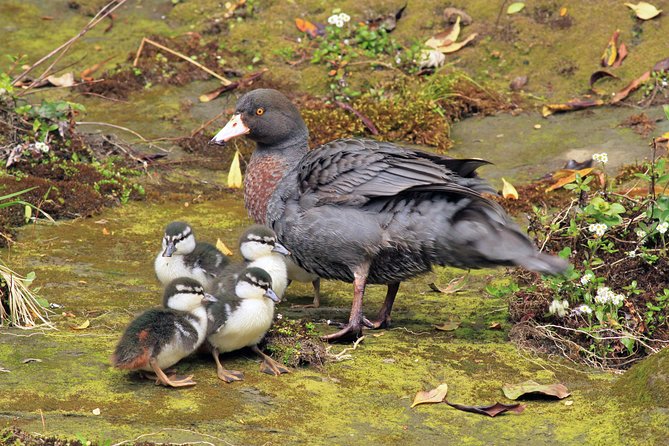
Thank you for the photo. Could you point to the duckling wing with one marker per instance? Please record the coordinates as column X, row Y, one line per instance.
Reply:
column 209, row 258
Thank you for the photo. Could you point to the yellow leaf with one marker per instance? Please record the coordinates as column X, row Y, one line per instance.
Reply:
column 222, row 247
column 643, row 10
column 83, row 326
column 105, row 231
column 508, row 191
column 569, row 178
column 665, row 135
column 448, row 326
column 433, row 396
column 452, row 48
column 445, row 38
column 611, row 52
column 563, row 11
column 235, row 174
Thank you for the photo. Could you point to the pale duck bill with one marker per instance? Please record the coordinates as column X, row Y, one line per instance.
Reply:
column 272, row 295
column 235, row 127
column 279, row 248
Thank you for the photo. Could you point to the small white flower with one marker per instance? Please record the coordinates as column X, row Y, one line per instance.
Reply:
column 42, row 147
column 604, row 295
column 339, row 23
column 2, row 91
column 617, row 299
column 598, row 229
column 558, row 307
column 398, row 60
column 662, row 227
column 346, row 42
column 601, row 157
column 640, row 233
column 344, row 17
column 587, row 277
column 582, row 309
column 664, row 84
column 334, row 18
column 279, row 316
column 632, row 253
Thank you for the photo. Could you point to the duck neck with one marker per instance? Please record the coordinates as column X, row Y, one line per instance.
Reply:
column 268, row 165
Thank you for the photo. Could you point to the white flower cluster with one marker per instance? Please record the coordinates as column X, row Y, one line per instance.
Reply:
column 640, row 233
column 42, row 147
column 582, row 309
column 662, row 227
column 606, row 296
column 339, row 19
column 558, row 307
column 598, row 229
column 587, row 278
column 601, row 157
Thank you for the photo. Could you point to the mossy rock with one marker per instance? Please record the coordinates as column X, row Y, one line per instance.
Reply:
column 648, row 381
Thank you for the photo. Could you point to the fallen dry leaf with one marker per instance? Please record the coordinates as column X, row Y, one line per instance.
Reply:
column 563, row 11
column 622, row 54
column 311, row 29
column 508, row 191
column 105, row 231
column 83, row 326
column 518, row 83
column 445, row 38
column 388, row 21
column 568, row 178
column 636, row 83
column 611, row 52
column 222, row 247
column 29, row 360
column 448, row 326
column 453, row 286
column 578, row 104
column 495, row 326
column 492, row 410
column 235, row 174
column 643, row 10
column 601, row 74
column 515, row 391
column 662, row 65
column 433, row 396
column 452, row 48
column 65, row 80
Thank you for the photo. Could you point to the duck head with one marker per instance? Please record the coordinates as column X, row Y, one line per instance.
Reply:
column 186, row 294
column 178, row 239
column 255, row 283
column 259, row 241
column 267, row 117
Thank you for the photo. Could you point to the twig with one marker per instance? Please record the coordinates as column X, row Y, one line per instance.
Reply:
column 206, row 124
column 343, row 354
column 223, row 80
column 33, row 90
column 101, row 96
column 101, row 15
column 41, row 414
column 124, row 129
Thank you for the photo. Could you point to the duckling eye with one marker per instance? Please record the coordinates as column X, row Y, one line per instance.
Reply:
column 260, row 111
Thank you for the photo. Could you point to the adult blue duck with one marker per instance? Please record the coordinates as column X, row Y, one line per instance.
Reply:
column 370, row 212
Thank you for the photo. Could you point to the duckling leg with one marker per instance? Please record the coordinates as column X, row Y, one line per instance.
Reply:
column 270, row 366
column 172, row 381
column 226, row 375
column 383, row 317
column 317, row 296
column 353, row 330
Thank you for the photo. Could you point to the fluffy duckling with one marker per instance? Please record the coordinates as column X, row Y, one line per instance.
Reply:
column 182, row 256
column 160, row 337
column 259, row 248
column 241, row 318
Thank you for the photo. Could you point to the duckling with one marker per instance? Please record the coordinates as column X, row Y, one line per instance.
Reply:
column 241, row 318
column 259, row 248
column 160, row 337
column 182, row 256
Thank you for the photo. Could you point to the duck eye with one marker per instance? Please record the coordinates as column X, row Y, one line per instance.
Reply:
column 260, row 111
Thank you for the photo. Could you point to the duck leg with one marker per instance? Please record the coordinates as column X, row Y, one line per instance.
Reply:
column 352, row 330
column 383, row 317
column 317, row 296
column 171, row 381
column 270, row 366
column 226, row 375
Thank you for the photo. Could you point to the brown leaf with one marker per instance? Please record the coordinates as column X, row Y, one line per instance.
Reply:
column 636, row 83
column 492, row 410
column 601, row 74
column 563, row 11
column 433, row 396
column 662, row 65
column 444, row 38
column 308, row 27
column 452, row 48
column 611, row 52
column 576, row 165
column 570, row 178
column 515, row 391
column 448, row 326
column 636, row 192
column 578, row 104
column 622, row 54
column 65, row 80
column 105, row 231
column 495, row 326
column 245, row 82
column 86, row 74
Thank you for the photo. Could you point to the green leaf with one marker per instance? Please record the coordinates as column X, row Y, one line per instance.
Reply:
column 666, row 110
column 515, row 8
column 27, row 212
column 629, row 344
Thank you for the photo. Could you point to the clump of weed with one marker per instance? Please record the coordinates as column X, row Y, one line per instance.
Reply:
column 295, row 342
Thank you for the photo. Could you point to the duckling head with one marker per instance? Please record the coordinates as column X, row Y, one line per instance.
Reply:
column 259, row 241
column 255, row 283
column 178, row 239
column 186, row 294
